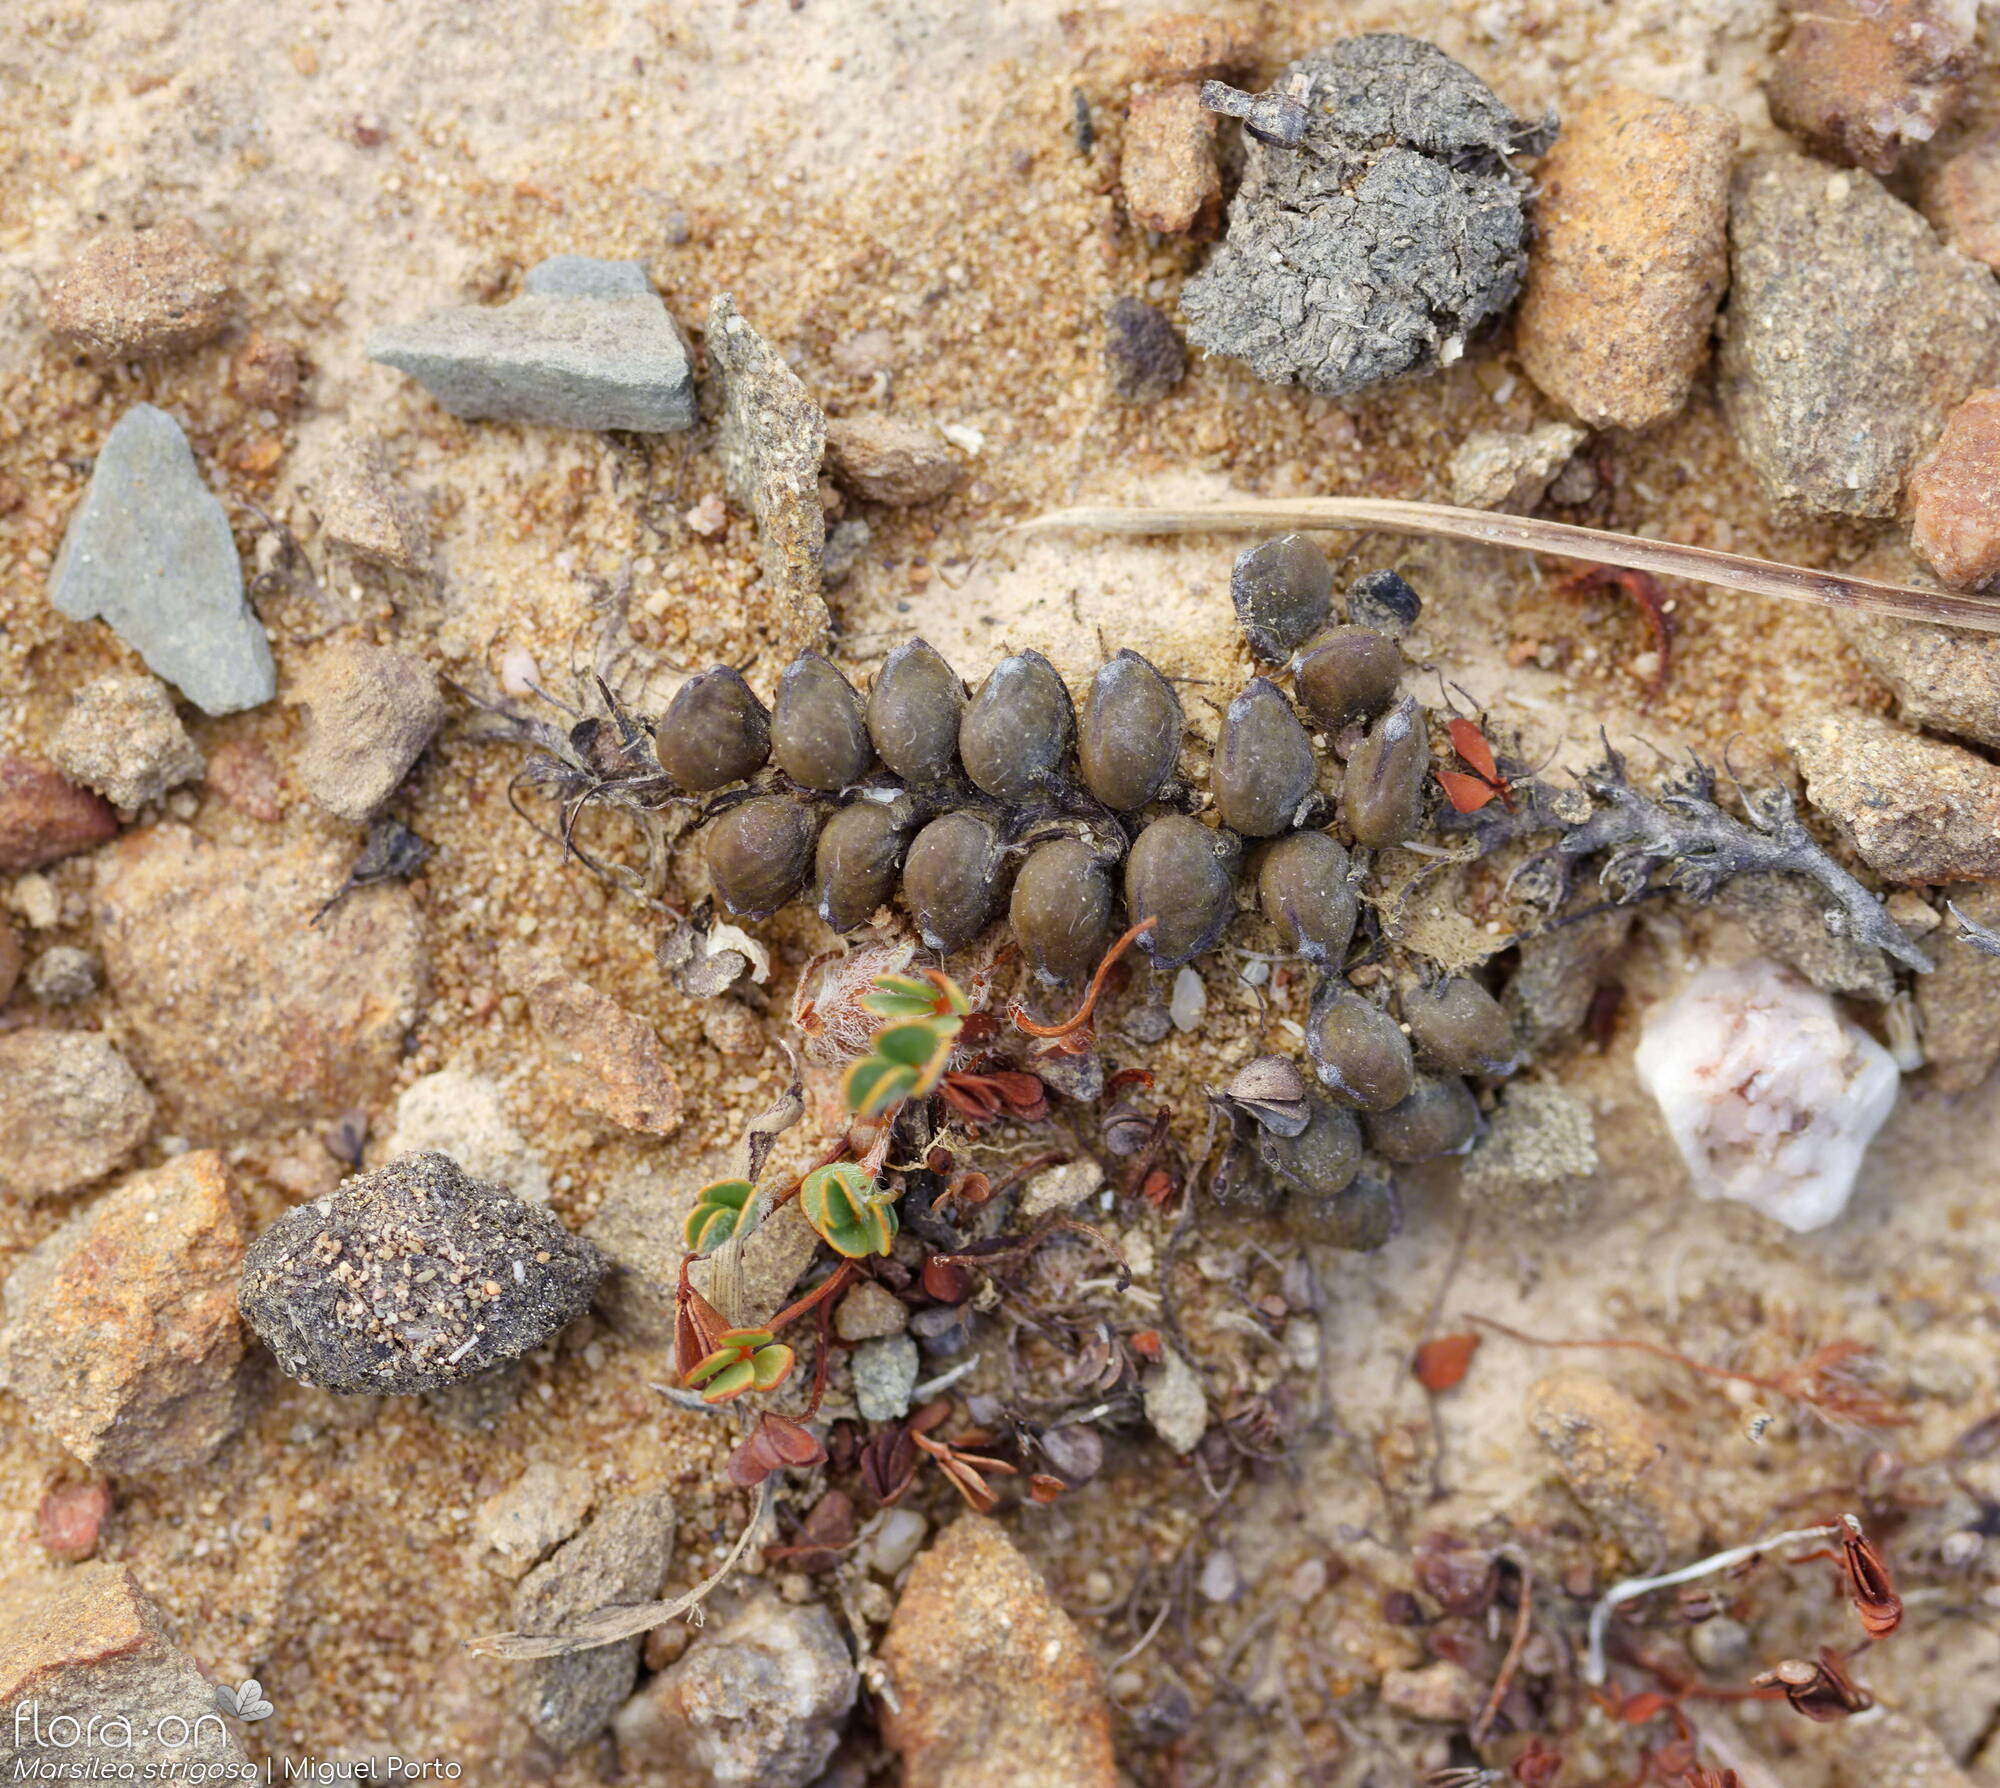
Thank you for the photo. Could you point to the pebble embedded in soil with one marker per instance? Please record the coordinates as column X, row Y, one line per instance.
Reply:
column 63, row 974
column 1862, row 82
column 1619, row 1464
column 370, row 714
column 462, row 1114
column 1496, row 469
column 1944, row 678
column 44, row 817
column 1955, row 497
column 758, row 1701
column 1143, row 352
column 891, row 459
column 870, row 1310
column 69, row 1520
column 1378, row 248
column 1957, row 1000
column 122, row 738
column 1059, row 1188
column 1538, row 1160
column 364, row 510
column 1559, row 973
column 1961, row 195
column 993, row 1682
column 884, row 1374
column 1786, row 914
column 771, row 436
column 1630, row 258
column 518, row 1527
column 71, row 1109
column 611, row 1062
column 1852, row 332
column 1771, row 1096
column 122, row 1338
column 268, row 373
column 563, row 359
column 412, row 1278
column 148, row 550
column 1175, row 1403
column 1168, row 168
column 277, row 1018
column 622, row 1556
column 81, row 1643
column 1917, row 809
column 1442, row 1691
column 141, row 294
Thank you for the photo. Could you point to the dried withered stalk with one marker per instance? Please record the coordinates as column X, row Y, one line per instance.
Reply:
column 1981, row 937
column 1526, row 533
column 1821, row 1690
column 1681, row 834
column 1608, row 1603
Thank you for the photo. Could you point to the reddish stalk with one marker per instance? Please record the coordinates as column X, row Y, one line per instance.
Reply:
column 1523, row 1620
column 1081, row 1017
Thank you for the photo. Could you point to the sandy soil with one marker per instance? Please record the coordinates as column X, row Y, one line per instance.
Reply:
column 892, row 191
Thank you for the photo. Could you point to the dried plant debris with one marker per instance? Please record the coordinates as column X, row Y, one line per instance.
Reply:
column 1370, row 239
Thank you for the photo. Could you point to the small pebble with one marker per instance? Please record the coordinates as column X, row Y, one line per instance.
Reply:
column 1511, row 472
column 1143, row 351
column 63, row 974
column 1171, row 181
column 141, row 294
column 122, row 738
column 1955, row 497
column 1864, row 81
column 363, row 509
column 1962, row 197
column 1189, row 1003
column 522, row 1524
column 370, row 713
column 884, row 1374
column 71, row 1519
column 45, row 818
column 891, row 459
column 1917, row 809
column 868, row 1311
column 71, row 1109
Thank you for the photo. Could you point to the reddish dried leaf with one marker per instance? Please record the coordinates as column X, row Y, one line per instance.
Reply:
column 773, row 1445
column 1443, row 1362
column 1146, row 1344
column 1045, row 1487
column 1868, row 1582
column 1467, row 794
column 1470, row 744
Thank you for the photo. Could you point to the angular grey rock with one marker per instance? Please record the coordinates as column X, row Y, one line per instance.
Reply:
column 583, row 276
column 772, row 437
column 70, row 1109
column 1850, row 335
column 1945, row 679
column 1498, row 469
column 1375, row 247
column 620, row 1557
column 412, row 1278
column 122, row 738
column 149, row 551
column 1539, row 1159
column 615, row 361
column 885, row 1373
column 759, row 1704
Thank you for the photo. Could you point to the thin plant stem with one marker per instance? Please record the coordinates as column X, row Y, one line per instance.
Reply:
column 1526, row 533
column 1600, row 1616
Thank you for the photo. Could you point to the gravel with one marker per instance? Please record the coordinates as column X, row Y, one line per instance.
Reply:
column 570, row 357
column 1374, row 249
column 1944, row 679
column 1851, row 334
column 363, row 510
column 1493, row 469
column 63, row 974
column 891, row 459
column 1619, row 1463
column 884, row 1374
column 1538, row 1159
column 771, row 436
column 150, row 552
column 1143, row 352
column 71, row 1109
column 141, row 294
column 622, row 1556
column 45, row 818
column 1167, row 166
column 370, row 713
column 412, row 1278
column 123, row 738
column 1175, row 1403
column 121, row 1336
column 1630, row 258
column 758, row 1703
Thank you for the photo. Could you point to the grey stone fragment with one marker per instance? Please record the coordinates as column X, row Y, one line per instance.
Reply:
column 885, row 1373
column 1957, row 1001
column 412, row 1278
column 363, row 508
column 584, row 276
column 149, row 551
column 1945, row 678
column 1498, row 469
column 1375, row 247
column 70, row 1109
column 1788, row 917
column 64, row 974
column 611, row 362
column 622, row 1556
column 772, row 437
column 122, row 738
column 1850, row 335
column 1559, row 974
column 1175, row 1403
column 1537, row 1161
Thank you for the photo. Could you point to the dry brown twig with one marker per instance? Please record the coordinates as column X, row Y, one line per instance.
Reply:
column 1526, row 533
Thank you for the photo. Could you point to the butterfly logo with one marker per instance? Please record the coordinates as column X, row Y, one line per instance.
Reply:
column 244, row 1702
